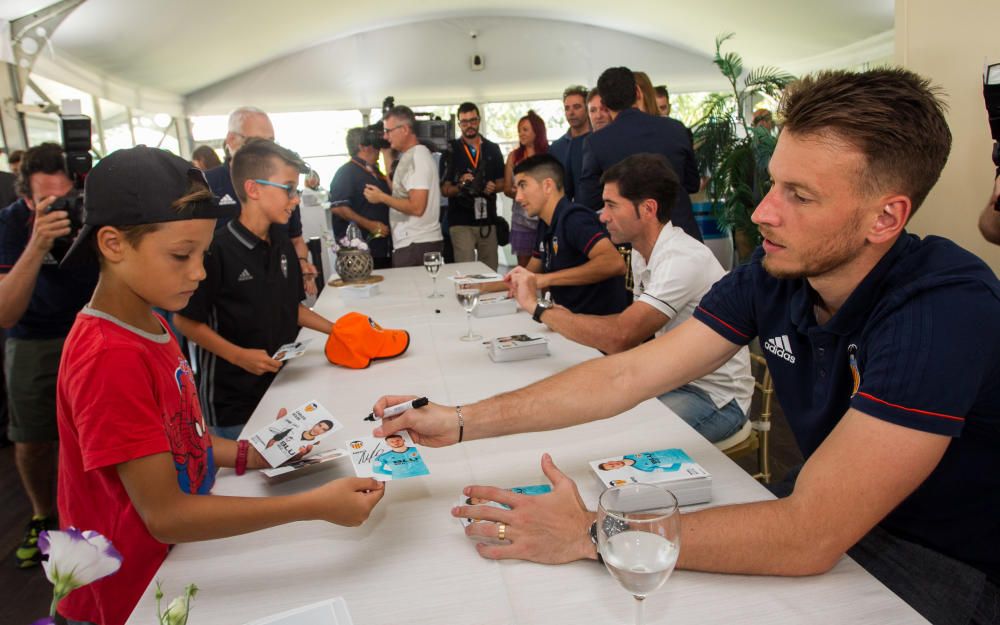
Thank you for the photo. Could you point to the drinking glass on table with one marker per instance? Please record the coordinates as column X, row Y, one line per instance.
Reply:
column 638, row 536
column 468, row 296
column 432, row 263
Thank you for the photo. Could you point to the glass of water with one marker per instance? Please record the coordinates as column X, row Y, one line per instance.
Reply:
column 432, row 263
column 639, row 537
column 468, row 296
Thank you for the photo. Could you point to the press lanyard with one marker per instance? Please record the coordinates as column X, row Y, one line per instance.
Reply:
column 372, row 171
column 473, row 160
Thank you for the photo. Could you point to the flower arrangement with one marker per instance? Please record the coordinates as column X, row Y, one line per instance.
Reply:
column 77, row 558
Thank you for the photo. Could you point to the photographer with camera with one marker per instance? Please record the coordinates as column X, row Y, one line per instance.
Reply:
column 38, row 302
column 347, row 198
column 474, row 174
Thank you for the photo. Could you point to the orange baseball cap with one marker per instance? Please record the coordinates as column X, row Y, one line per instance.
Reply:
column 355, row 341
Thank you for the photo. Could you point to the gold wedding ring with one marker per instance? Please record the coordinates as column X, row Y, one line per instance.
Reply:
column 501, row 531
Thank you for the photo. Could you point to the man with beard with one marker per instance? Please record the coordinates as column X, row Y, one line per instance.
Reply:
column 885, row 354
column 569, row 147
column 474, row 173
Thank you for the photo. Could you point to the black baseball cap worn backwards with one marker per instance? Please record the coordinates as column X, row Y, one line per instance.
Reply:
column 138, row 186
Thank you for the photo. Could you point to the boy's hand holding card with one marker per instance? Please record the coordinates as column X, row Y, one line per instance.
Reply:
column 384, row 459
column 295, row 435
column 291, row 350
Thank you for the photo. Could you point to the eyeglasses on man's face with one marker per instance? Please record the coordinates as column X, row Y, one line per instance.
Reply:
column 468, row 122
column 292, row 192
column 388, row 131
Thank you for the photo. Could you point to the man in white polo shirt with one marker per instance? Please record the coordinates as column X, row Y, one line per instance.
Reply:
column 638, row 194
column 415, row 203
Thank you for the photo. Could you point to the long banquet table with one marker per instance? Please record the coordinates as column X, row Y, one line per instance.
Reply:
column 411, row 563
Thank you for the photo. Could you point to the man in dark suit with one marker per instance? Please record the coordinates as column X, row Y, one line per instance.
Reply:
column 633, row 132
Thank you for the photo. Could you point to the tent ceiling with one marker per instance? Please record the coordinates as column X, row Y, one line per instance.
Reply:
column 185, row 45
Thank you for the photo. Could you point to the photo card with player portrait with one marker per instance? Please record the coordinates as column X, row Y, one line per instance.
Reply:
column 394, row 457
column 298, row 433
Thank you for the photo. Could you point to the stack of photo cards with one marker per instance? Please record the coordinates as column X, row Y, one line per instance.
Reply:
column 518, row 347
column 292, row 434
column 305, row 466
column 536, row 489
column 291, row 350
column 672, row 469
column 329, row 612
column 477, row 278
column 385, row 459
column 494, row 305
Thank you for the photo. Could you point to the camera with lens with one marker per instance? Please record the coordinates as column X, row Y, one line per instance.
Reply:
column 476, row 186
column 76, row 146
column 991, row 94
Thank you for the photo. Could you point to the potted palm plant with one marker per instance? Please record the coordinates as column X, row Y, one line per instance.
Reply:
column 732, row 152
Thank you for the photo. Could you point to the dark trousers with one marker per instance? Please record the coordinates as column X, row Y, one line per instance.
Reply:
column 942, row 589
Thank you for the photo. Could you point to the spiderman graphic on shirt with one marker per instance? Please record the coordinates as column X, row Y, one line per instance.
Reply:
column 190, row 442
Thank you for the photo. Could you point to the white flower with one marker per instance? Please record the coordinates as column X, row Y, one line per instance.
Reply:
column 77, row 558
column 179, row 609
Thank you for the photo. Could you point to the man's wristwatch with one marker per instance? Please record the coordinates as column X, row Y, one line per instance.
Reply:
column 593, row 539
column 540, row 307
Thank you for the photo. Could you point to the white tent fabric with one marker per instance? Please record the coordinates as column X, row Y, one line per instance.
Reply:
column 206, row 57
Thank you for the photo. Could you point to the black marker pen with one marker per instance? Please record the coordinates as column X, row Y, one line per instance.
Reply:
column 392, row 411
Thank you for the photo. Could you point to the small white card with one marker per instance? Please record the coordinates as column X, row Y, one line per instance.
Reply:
column 536, row 489
column 292, row 434
column 291, row 350
column 385, row 459
column 309, row 464
column 329, row 612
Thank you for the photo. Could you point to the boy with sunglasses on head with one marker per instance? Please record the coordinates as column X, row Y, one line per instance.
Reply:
column 134, row 451
column 250, row 303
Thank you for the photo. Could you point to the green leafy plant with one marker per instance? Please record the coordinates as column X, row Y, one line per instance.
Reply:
column 732, row 152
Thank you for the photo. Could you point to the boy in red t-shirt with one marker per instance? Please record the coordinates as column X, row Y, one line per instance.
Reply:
column 134, row 450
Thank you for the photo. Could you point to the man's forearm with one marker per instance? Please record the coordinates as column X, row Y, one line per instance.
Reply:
column 405, row 205
column 613, row 384
column 17, row 286
column 603, row 332
column 347, row 213
column 594, row 270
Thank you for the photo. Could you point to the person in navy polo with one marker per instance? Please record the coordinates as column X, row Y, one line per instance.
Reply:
column 348, row 203
column 885, row 353
column 575, row 260
column 38, row 303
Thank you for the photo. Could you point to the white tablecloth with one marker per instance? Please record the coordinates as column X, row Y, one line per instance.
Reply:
column 411, row 563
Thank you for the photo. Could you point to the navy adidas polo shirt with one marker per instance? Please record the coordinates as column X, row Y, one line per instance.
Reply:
column 565, row 243
column 59, row 293
column 922, row 331
column 220, row 180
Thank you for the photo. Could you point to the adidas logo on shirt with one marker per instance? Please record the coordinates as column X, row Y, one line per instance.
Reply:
column 780, row 347
column 227, row 201
column 244, row 276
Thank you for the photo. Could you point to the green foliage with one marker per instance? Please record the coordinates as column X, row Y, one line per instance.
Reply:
column 728, row 149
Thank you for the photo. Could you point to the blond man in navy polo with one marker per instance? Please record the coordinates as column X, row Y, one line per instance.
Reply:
column 885, row 352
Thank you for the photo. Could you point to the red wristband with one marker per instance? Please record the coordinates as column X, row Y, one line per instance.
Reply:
column 242, row 449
